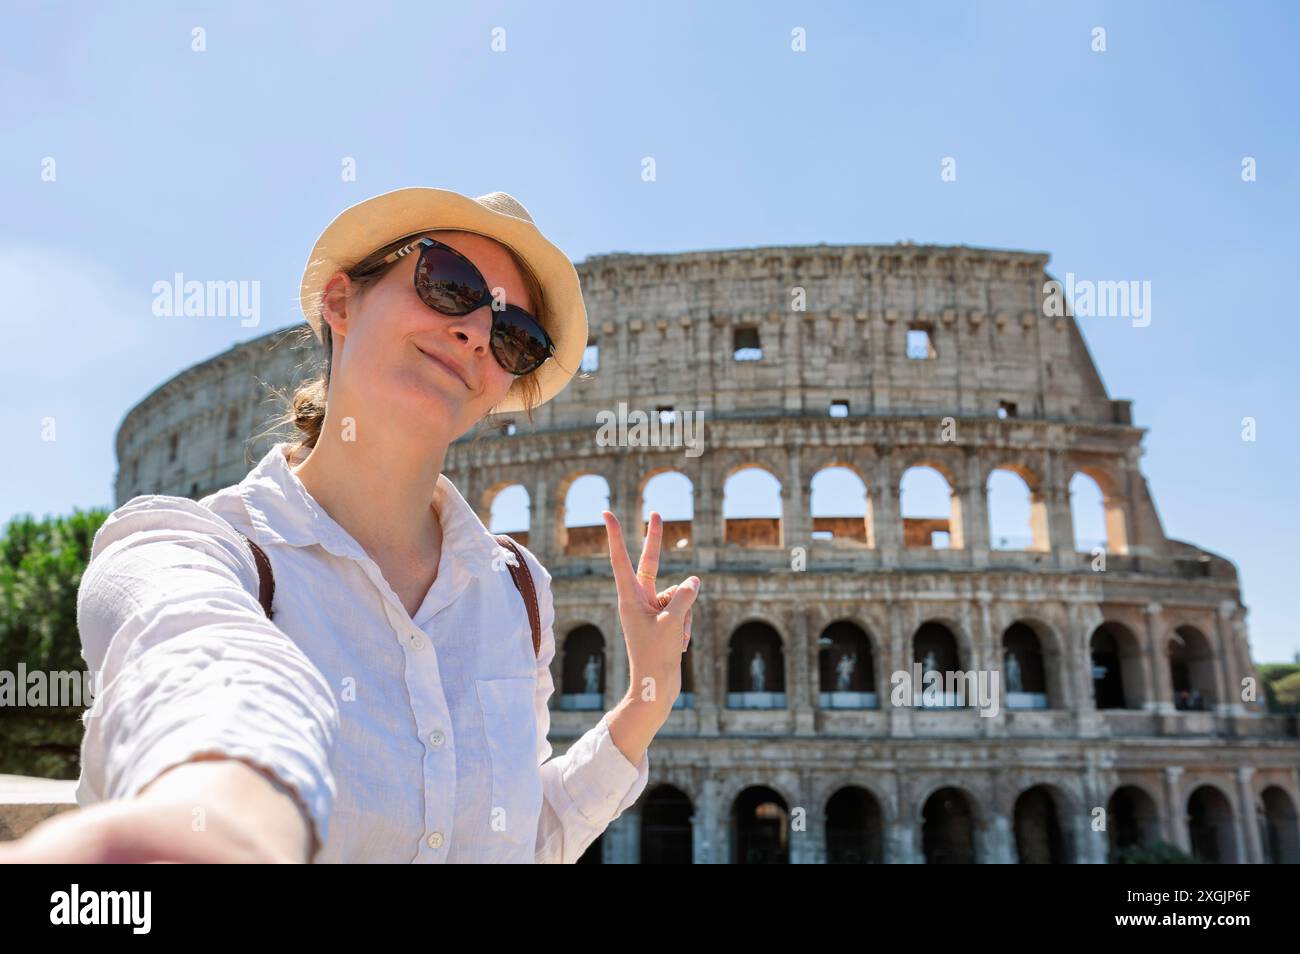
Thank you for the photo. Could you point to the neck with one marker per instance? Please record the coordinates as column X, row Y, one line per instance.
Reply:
column 379, row 488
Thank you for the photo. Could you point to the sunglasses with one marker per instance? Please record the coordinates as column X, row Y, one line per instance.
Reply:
column 451, row 284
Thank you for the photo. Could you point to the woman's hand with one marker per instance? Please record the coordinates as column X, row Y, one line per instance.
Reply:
column 656, row 626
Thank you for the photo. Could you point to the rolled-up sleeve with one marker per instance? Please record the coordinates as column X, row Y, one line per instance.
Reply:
column 593, row 782
column 187, row 664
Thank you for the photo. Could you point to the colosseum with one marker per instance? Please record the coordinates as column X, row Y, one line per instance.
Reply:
column 821, row 384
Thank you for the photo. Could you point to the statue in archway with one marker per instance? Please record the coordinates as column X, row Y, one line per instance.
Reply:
column 757, row 671
column 931, row 663
column 1013, row 673
column 591, row 674
column 844, row 670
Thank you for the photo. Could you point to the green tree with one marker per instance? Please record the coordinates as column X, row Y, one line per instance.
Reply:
column 1281, row 685
column 41, row 563
column 1287, row 690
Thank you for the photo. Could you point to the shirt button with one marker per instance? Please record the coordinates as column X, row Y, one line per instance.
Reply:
column 417, row 642
column 435, row 840
column 436, row 738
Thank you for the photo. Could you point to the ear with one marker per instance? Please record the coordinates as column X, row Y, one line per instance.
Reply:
column 334, row 304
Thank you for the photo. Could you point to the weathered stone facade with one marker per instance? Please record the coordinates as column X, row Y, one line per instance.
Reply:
column 808, row 770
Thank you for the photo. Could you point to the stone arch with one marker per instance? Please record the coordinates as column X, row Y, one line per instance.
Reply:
column 742, row 523
column 751, row 614
column 751, row 684
column 827, row 784
column 760, row 826
column 1011, row 487
column 562, row 629
column 864, row 617
column 659, row 490
column 1132, row 818
column 929, row 530
column 509, row 507
column 1279, row 835
column 584, row 495
column 783, row 783
column 667, row 828
column 1118, row 667
column 1066, row 791
column 834, row 490
column 854, row 820
column 1211, row 824
column 1114, row 504
column 1193, row 668
column 1057, row 655
column 948, row 465
column 1041, row 831
column 960, row 643
column 934, row 633
column 848, row 676
column 816, row 459
column 1041, row 666
column 949, row 818
column 1016, row 463
column 980, row 801
column 585, row 660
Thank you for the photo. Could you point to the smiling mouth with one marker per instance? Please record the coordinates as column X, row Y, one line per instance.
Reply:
column 442, row 364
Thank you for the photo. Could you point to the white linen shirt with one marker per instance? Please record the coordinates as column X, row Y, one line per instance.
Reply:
column 406, row 739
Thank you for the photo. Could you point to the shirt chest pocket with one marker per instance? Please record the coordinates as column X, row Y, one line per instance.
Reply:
column 510, row 725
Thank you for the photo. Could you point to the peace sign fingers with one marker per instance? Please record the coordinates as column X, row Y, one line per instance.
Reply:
column 639, row 586
column 649, row 567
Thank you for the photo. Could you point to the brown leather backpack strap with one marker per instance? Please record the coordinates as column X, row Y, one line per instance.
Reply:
column 265, row 578
column 523, row 578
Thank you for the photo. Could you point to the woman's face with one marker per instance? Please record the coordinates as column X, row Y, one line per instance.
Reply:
column 394, row 356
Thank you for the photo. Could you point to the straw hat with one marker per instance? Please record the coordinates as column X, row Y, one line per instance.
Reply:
column 367, row 226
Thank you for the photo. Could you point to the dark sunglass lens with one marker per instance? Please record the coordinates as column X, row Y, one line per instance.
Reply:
column 518, row 341
column 448, row 282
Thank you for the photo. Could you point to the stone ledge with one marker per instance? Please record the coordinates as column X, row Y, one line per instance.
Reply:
column 25, row 802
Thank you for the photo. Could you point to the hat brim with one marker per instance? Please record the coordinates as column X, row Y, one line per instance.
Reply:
column 362, row 228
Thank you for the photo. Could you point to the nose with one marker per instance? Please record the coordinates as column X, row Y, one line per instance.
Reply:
column 474, row 328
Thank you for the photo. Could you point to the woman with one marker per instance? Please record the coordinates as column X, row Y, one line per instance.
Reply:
column 393, row 708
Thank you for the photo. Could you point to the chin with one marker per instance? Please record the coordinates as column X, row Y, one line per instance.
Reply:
column 418, row 395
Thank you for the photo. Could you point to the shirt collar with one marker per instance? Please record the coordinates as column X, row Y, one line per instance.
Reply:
column 281, row 510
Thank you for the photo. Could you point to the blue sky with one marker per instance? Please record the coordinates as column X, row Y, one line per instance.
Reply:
column 225, row 164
